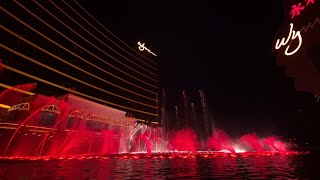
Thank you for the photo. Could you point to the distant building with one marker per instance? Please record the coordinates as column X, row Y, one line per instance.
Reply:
column 304, row 64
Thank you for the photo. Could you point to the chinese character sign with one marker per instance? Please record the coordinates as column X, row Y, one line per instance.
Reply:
column 309, row 2
column 296, row 9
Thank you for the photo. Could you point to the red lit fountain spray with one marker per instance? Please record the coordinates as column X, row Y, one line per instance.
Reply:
column 78, row 141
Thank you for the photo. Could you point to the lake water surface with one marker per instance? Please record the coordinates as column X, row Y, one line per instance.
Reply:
column 278, row 166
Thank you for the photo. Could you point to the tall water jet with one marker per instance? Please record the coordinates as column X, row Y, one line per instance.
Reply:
column 163, row 114
column 63, row 147
column 186, row 108
column 194, row 117
column 164, row 125
column 204, row 113
column 158, row 108
column 177, row 117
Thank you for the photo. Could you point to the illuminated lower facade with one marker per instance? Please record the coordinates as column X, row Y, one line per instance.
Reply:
column 84, row 125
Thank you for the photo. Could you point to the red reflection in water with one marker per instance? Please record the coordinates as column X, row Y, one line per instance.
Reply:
column 173, row 165
column 169, row 155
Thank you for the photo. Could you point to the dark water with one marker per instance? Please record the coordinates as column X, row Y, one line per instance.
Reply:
column 294, row 166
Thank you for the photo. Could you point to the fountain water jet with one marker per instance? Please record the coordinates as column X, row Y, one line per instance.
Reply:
column 184, row 140
column 97, row 135
column 186, row 108
column 65, row 107
column 219, row 140
column 177, row 118
column 274, row 143
column 252, row 141
column 205, row 113
column 25, row 121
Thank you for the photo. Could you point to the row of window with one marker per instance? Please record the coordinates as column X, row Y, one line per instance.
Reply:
column 49, row 119
column 50, row 113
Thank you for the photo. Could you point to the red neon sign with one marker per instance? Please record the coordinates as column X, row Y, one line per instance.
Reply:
column 297, row 8
column 309, row 2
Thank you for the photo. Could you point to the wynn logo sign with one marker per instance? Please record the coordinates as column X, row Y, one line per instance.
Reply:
column 293, row 35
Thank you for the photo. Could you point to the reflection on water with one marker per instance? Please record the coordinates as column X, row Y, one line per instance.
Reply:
column 252, row 167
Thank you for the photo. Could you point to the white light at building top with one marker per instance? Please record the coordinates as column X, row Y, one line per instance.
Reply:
column 284, row 41
column 20, row 107
column 51, row 108
column 142, row 48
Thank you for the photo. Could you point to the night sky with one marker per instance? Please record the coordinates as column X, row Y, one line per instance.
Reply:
column 223, row 47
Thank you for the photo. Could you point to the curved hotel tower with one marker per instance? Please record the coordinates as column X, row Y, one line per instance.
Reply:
column 62, row 71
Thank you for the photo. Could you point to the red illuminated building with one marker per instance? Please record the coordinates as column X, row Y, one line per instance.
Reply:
column 90, row 85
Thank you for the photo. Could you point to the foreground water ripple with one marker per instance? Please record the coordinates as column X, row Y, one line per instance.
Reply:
column 301, row 166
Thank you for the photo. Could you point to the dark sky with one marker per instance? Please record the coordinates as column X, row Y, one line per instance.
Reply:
column 223, row 47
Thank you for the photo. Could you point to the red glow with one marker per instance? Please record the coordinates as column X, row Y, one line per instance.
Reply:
column 184, row 140
column 309, row 2
column 252, row 141
column 26, row 120
column 295, row 10
column 1, row 68
column 37, row 137
column 54, row 146
column 275, row 144
column 219, row 140
column 169, row 155
column 109, row 145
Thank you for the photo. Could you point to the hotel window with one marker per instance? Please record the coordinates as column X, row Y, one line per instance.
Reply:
column 74, row 120
column 90, row 121
column 89, row 124
column 19, row 112
column 49, row 115
column 97, row 125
